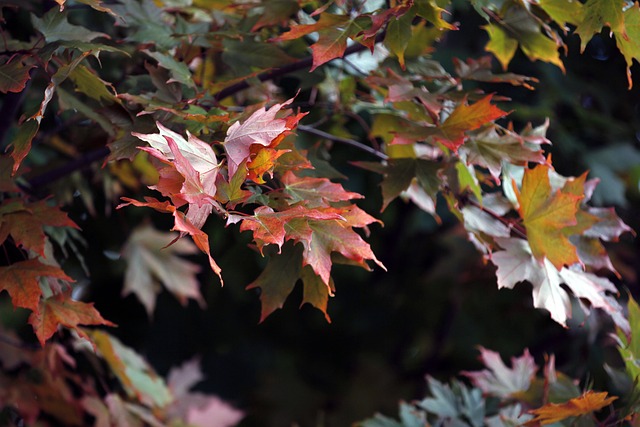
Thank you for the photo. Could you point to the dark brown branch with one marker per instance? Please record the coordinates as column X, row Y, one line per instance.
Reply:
column 351, row 142
column 286, row 69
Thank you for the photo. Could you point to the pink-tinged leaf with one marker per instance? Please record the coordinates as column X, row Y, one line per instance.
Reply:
column 262, row 128
column 152, row 257
column 609, row 228
column 197, row 153
column 193, row 190
column 499, row 380
column 20, row 280
column 184, row 377
column 215, row 413
column 14, row 75
column 200, row 238
column 62, row 310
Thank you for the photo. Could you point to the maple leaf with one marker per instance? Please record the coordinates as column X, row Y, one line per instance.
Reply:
column 516, row 263
column 315, row 191
column 464, row 118
column 262, row 128
column 181, row 223
column 587, row 403
column 597, row 14
column 333, row 33
column 491, row 146
column 189, row 178
column 498, row 379
column 321, row 238
column 197, row 409
column 269, row 226
column 14, row 75
column 20, row 280
column 152, row 255
column 545, row 215
column 630, row 46
column 25, row 222
column 59, row 310
column 278, row 279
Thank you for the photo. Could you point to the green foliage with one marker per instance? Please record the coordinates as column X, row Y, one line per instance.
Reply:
column 223, row 117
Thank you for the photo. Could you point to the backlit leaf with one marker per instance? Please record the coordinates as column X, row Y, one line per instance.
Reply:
column 545, row 214
column 600, row 13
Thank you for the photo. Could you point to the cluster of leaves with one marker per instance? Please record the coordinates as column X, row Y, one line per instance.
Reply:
column 502, row 396
column 180, row 97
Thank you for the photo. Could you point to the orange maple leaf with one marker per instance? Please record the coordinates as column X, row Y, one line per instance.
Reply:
column 466, row 118
column 545, row 215
column 62, row 310
column 20, row 279
column 582, row 405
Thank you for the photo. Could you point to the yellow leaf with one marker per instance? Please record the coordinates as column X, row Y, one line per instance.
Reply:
column 582, row 405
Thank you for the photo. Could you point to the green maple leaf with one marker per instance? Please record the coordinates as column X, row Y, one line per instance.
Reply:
column 545, row 215
column 14, row 75
column 563, row 11
column 600, row 13
column 278, row 279
column 55, row 27
column 630, row 46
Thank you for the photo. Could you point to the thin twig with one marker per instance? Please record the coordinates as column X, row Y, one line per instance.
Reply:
column 347, row 141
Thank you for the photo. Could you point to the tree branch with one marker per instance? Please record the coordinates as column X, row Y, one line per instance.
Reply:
column 351, row 142
column 301, row 64
column 100, row 153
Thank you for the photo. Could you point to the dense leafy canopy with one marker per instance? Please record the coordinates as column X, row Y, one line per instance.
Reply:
column 188, row 108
